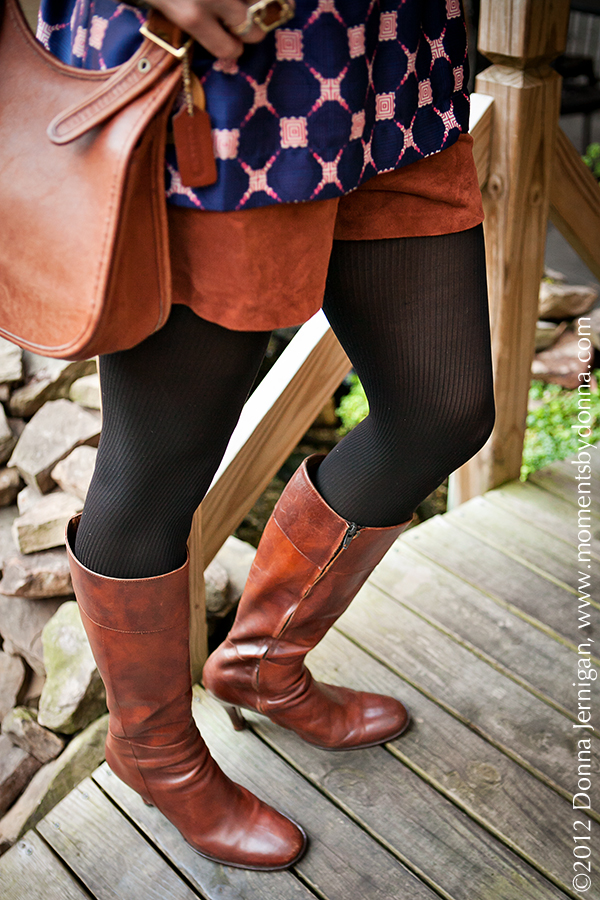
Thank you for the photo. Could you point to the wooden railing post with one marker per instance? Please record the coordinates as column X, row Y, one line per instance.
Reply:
column 198, row 633
column 520, row 37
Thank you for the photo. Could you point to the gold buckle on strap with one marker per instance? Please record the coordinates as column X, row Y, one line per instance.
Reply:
column 270, row 14
column 178, row 52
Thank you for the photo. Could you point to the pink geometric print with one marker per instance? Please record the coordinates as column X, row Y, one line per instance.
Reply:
column 349, row 89
column 294, row 132
column 226, row 142
column 97, row 32
column 356, row 41
column 288, row 43
column 388, row 26
column 385, row 106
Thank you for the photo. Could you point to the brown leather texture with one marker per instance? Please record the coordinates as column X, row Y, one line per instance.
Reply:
column 84, row 256
column 309, row 566
column 139, row 634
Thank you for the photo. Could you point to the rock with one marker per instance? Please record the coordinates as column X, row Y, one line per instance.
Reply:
column 34, row 690
column 22, row 814
column 21, row 624
column 11, row 362
column 17, row 426
column 16, row 769
column 565, row 301
column 55, row 780
column 38, row 575
column 86, row 391
column 22, row 727
column 27, row 498
column 7, row 438
column 73, row 695
column 553, row 275
column 43, row 525
column 46, row 379
column 560, row 363
column 75, row 471
column 52, row 434
column 236, row 557
column 547, row 333
column 12, row 681
column 216, row 583
column 8, row 514
column 10, row 483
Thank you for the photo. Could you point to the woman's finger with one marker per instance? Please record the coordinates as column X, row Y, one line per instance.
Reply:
column 234, row 16
column 208, row 22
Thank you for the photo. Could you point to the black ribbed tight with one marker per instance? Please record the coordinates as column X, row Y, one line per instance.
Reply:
column 411, row 314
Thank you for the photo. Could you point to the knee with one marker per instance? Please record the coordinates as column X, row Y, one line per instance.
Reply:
column 468, row 429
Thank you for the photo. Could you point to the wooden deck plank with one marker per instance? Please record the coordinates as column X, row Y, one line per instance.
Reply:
column 594, row 452
column 542, row 602
column 211, row 880
column 496, row 791
column 512, row 718
column 469, row 621
column 342, row 861
column 106, row 852
column 532, row 657
column 548, row 511
column 521, row 540
column 30, row 871
column 560, row 481
column 406, row 814
column 569, row 468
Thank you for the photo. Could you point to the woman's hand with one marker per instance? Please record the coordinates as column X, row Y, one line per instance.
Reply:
column 208, row 21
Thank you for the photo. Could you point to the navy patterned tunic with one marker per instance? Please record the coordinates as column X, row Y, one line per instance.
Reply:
column 346, row 89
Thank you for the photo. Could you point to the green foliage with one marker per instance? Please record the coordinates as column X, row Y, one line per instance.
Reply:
column 591, row 158
column 549, row 435
column 353, row 407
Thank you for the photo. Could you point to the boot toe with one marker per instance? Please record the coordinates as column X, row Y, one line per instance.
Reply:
column 259, row 837
column 276, row 841
column 384, row 718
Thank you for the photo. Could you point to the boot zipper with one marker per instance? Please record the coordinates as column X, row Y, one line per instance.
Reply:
column 350, row 534
column 352, row 531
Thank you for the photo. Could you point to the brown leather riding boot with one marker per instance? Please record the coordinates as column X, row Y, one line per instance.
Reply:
column 139, row 635
column 309, row 565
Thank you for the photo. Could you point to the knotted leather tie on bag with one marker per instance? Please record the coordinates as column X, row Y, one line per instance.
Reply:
column 84, row 255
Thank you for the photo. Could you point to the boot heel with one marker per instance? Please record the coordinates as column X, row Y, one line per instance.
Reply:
column 147, row 802
column 237, row 719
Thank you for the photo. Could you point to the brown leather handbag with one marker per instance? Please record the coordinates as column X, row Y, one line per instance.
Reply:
column 84, row 256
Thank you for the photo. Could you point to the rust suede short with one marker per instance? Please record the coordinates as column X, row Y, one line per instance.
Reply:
column 264, row 268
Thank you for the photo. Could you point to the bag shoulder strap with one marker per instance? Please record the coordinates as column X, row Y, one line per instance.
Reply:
column 150, row 62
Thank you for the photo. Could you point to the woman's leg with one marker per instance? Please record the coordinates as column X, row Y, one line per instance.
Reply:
column 169, row 407
column 412, row 316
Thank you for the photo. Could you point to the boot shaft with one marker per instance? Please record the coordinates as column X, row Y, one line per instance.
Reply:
column 138, row 630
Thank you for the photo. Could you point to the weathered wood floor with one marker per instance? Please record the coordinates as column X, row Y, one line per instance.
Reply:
column 472, row 621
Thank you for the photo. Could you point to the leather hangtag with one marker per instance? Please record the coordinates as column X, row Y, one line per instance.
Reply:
column 194, row 148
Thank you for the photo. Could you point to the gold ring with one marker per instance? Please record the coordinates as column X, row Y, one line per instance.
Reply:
column 266, row 14
column 243, row 28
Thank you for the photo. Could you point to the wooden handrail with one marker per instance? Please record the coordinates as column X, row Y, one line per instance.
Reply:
column 575, row 202
column 481, row 131
column 278, row 413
